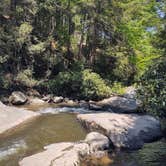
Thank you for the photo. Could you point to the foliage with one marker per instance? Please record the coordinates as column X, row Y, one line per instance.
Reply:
column 85, row 84
column 25, row 78
column 93, row 86
column 153, row 88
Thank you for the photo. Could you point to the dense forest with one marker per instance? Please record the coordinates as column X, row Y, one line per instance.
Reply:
column 85, row 49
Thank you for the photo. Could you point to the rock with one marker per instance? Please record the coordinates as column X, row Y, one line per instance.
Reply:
column 97, row 141
column 18, row 98
column 36, row 101
column 33, row 92
column 95, row 107
column 5, row 100
column 119, row 104
column 129, row 131
column 84, row 104
column 130, row 92
column 48, row 98
column 64, row 154
column 11, row 117
column 57, row 100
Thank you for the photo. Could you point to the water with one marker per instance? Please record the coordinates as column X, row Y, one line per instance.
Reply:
column 32, row 137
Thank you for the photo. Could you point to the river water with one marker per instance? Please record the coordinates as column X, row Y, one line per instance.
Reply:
column 59, row 125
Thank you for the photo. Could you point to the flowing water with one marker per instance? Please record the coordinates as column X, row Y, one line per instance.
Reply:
column 60, row 124
column 30, row 138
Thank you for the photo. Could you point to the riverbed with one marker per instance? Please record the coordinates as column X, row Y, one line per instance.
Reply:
column 60, row 125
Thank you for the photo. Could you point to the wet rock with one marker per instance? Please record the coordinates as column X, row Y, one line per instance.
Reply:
column 129, row 131
column 11, row 117
column 119, row 104
column 18, row 98
column 64, row 154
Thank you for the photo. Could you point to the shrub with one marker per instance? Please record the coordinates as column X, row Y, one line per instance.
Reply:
column 25, row 78
column 118, row 88
column 85, row 84
column 93, row 86
column 152, row 89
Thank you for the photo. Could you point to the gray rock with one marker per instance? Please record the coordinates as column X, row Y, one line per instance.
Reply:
column 36, row 101
column 95, row 107
column 48, row 98
column 130, row 92
column 128, row 131
column 84, row 104
column 65, row 153
column 58, row 99
column 11, row 117
column 119, row 104
column 18, row 98
column 97, row 141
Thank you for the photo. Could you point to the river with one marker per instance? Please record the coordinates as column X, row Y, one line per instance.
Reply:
column 59, row 125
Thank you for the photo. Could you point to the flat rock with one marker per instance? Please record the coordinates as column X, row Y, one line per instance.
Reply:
column 11, row 117
column 65, row 153
column 119, row 104
column 129, row 131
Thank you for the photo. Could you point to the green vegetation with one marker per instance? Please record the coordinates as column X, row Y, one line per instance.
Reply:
column 82, row 48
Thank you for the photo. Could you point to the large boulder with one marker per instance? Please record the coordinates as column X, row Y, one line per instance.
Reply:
column 11, row 117
column 129, row 131
column 18, row 98
column 66, row 153
column 119, row 104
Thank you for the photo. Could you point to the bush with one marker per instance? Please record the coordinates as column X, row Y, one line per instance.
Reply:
column 152, row 89
column 25, row 78
column 85, row 84
column 93, row 86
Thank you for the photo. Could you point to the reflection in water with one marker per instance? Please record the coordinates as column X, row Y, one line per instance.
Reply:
column 45, row 130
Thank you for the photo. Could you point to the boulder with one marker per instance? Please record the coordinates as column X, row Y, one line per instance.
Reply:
column 11, row 117
column 36, row 101
column 95, row 107
column 58, row 99
column 97, row 141
column 119, row 104
column 66, row 153
column 129, row 131
column 48, row 98
column 33, row 92
column 18, row 98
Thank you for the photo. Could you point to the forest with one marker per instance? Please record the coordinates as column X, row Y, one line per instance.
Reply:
column 85, row 49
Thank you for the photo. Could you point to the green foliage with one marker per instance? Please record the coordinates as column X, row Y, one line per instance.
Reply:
column 85, row 84
column 37, row 48
column 152, row 90
column 24, row 31
column 93, row 86
column 25, row 78
column 118, row 88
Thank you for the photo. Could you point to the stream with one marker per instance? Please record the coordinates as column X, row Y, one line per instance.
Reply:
column 60, row 125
